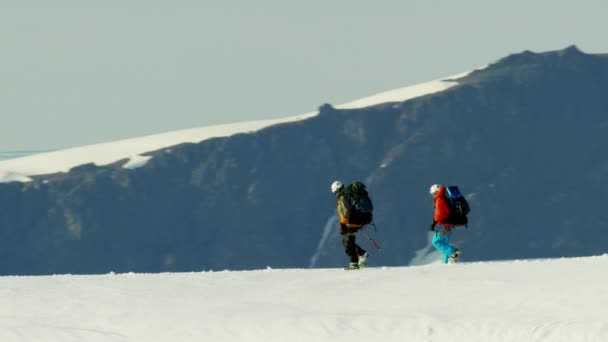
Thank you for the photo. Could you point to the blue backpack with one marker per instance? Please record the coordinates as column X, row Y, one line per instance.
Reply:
column 459, row 207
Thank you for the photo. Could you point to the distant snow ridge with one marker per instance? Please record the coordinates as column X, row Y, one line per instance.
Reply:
column 405, row 93
column 132, row 150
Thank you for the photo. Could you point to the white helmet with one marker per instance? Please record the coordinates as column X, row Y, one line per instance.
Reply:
column 336, row 185
column 434, row 189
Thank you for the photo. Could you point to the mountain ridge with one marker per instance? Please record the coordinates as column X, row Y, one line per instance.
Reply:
column 521, row 137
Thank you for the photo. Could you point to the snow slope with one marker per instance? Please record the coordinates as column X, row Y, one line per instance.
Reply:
column 20, row 169
column 543, row 300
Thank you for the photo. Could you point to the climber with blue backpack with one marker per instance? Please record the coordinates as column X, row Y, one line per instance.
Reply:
column 451, row 209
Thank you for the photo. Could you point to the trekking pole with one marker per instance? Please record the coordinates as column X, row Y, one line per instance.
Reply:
column 371, row 240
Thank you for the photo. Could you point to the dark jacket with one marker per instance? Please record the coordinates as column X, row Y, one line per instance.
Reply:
column 344, row 210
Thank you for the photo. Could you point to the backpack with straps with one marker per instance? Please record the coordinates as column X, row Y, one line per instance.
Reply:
column 459, row 207
column 361, row 205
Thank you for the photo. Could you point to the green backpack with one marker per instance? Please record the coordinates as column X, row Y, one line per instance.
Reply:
column 361, row 205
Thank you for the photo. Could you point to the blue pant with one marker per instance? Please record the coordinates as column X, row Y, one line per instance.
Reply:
column 442, row 243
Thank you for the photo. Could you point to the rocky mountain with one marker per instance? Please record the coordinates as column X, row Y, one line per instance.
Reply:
column 524, row 138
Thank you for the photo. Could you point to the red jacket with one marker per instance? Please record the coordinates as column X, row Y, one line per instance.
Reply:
column 442, row 210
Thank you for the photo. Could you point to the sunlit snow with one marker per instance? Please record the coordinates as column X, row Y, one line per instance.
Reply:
column 543, row 300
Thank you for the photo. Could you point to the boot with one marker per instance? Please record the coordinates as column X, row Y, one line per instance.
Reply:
column 352, row 266
column 363, row 260
column 452, row 258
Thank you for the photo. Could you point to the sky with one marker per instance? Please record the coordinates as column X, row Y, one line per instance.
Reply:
column 74, row 73
column 522, row 300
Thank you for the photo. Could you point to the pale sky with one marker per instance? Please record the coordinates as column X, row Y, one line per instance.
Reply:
column 74, row 73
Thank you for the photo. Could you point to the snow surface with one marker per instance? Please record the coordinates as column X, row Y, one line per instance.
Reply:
column 517, row 301
column 132, row 150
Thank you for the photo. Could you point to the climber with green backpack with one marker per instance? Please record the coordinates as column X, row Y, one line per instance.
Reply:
column 355, row 211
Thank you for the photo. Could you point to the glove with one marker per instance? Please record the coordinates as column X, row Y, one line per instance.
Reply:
column 432, row 227
column 342, row 229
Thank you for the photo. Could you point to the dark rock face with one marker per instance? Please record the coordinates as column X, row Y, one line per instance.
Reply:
column 524, row 139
